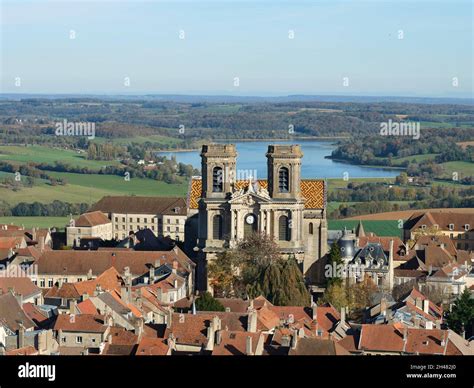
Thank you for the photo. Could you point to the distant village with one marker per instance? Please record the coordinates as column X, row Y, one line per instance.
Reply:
column 130, row 276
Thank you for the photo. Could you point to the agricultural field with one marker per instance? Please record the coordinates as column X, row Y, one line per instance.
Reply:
column 463, row 169
column 41, row 154
column 36, row 222
column 89, row 188
column 380, row 228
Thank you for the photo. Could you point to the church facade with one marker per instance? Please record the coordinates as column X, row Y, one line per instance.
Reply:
column 289, row 209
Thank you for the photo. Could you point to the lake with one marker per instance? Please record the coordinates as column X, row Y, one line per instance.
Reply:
column 251, row 157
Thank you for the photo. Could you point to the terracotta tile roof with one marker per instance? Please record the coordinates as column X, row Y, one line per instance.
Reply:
column 72, row 262
column 141, row 205
column 191, row 329
column 25, row 351
column 443, row 219
column 327, row 317
column 92, row 219
column 87, row 307
column 66, row 291
column 108, row 280
column 350, row 342
column 313, row 190
column 35, row 314
column 120, row 336
column 11, row 313
column 20, row 285
column 421, row 341
column 383, row 338
column 152, row 347
column 317, row 347
column 237, row 305
column 234, row 343
column 81, row 323
column 452, row 270
column 10, row 242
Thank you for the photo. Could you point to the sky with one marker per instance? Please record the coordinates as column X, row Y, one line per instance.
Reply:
column 379, row 48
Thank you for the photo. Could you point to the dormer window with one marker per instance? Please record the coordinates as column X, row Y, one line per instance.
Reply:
column 451, row 226
column 467, row 227
column 423, row 227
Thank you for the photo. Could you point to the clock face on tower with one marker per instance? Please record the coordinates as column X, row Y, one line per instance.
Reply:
column 250, row 219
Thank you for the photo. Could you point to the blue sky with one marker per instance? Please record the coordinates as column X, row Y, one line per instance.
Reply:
column 244, row 39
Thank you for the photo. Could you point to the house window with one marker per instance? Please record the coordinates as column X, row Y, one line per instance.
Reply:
column 217, row 180
column 63, row 339
column 116, row 219
column 283, row 229
column 131, row 219
column 42, row 283
column 145, row 220
column 177, row 229
column 78, row 230
column 78, row 339
column 311, row 228
column 283, row 180
column 217, row 227
column 177, row 221
column 79, row 279
column 123, row 219
column 50, row 283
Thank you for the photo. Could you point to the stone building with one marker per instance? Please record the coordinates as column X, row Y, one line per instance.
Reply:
column 89, row 225
column 224, row 210
column 164, row 216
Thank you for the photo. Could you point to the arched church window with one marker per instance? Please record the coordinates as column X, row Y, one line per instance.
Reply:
column 284, row 229
column 284, row 180
column 217, row 227
column 217, row 180
column 311, row 228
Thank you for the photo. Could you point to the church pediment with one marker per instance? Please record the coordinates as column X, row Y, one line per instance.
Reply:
column 249, row 196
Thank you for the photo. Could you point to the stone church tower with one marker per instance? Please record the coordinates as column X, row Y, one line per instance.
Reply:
column 291, row 210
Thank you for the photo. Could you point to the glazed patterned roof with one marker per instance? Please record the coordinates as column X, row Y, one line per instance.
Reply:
column 311, row 189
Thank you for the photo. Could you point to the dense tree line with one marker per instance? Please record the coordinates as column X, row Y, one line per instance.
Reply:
column 53, row 209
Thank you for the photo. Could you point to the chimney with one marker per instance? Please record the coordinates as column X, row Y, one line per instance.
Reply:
column 294, row 340
column 315, row 312
column 343, row 315
column 41, row 243
column 85, row 296
column 426, row 306
column 171, row 342
column 216, row 323
column 138, row 328
column 109, row 339
column 157, row 263
column 21, row 336
column 383, row 307
column 390, row 267
column 252, row 321
column 248, row 346
column 175, row 283
column 151, row 275
column 418, row 303
column 169, row 317
column 218, row 337
column 89, row 274
column 72, row 307
column 175, row 266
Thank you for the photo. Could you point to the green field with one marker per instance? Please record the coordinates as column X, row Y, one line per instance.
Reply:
column 89, row 188
column 380, row 228
column 342, row 184
column 37, row 222
column 40, row 154
column 463, row 169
